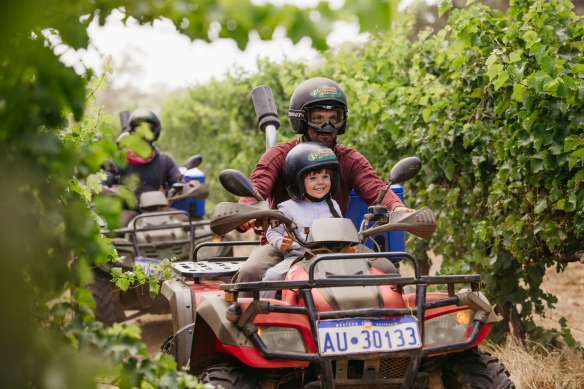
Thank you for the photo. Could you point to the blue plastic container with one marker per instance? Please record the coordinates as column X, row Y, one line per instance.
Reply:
column 195, row 207
column 387, row 241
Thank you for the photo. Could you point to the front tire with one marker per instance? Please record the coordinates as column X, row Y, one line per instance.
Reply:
column 106, row 309
column 472, row 369
column 228, row 376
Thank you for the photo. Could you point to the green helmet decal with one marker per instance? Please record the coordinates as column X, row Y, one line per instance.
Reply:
column 325, row 91
column 321, row 155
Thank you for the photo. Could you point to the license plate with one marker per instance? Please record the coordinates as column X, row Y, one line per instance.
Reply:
column 367, row 335
column 147, row 265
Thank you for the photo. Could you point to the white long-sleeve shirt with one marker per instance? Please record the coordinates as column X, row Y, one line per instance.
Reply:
column 303, row 213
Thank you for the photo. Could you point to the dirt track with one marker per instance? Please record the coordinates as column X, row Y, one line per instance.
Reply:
column 566, row 286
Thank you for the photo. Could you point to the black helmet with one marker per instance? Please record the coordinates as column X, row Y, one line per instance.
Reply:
column 304, row 158
column 142, row 115
column 317, row 93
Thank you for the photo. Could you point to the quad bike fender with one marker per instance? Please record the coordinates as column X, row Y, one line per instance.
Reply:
column 410, row 299
column 491, row 317
column 212, row 309
column 181, row 299
column 231, row 340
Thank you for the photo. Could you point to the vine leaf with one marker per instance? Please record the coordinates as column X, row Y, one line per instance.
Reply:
column 444, row 6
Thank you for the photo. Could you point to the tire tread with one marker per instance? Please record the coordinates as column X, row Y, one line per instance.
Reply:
column 472, row 369
column 228, row 376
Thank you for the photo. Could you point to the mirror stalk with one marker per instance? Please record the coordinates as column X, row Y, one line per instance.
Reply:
column 382, row 192
column 258, row 197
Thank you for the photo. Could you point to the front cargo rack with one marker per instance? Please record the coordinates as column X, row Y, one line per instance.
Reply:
column 304, row 288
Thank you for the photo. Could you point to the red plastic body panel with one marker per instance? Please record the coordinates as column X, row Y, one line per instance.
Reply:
column 391, row 299
column 204, row 287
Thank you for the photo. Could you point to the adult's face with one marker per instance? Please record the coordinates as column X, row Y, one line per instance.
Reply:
column 319, row 117
column 326, row 138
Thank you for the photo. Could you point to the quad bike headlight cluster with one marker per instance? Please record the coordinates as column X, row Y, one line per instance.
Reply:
column 282, row 339
column 446, row 329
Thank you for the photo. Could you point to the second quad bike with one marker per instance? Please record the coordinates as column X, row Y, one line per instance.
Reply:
column 157, row 233
column 338, row 322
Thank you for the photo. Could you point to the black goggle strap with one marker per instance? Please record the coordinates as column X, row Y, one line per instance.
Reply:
column 302, row 114
column 297, row 114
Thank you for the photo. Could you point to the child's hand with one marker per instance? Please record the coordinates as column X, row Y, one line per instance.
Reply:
column 286, row 242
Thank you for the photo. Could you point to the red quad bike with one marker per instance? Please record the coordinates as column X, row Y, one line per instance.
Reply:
column 339, row 323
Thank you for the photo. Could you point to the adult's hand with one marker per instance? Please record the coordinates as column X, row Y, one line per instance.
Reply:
column 352, row 249
column 247, row 226
column 404, row 209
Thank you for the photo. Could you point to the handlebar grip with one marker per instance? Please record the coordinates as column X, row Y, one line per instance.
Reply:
column 265, row 107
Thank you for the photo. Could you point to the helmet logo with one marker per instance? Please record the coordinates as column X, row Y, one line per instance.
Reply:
column 321, row 155
column 325, row 91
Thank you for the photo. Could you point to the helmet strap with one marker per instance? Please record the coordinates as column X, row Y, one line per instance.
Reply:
column 331, row 206
column 329, row 202
column 316, row 199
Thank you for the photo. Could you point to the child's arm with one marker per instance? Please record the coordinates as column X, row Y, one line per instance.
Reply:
column 276, row 235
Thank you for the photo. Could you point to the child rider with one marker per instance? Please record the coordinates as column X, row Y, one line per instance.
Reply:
column 311, row 176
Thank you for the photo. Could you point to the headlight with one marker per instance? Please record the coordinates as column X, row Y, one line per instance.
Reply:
column 282, row 339
column 447, row 329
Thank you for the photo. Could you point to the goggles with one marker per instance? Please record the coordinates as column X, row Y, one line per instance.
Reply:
column 318, row 116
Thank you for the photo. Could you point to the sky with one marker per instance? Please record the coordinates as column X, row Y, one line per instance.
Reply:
column 161, row 56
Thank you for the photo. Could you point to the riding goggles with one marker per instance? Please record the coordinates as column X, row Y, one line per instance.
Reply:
column 318, row 116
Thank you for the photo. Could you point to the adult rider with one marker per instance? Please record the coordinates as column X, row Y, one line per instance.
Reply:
column 157, row 171
column 318, row 112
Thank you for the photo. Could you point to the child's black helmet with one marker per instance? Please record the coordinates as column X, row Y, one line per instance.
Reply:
column 142, row 115
column 304, row 158
column 313, row 93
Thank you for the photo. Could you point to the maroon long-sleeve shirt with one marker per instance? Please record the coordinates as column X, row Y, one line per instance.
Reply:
column 355, row 173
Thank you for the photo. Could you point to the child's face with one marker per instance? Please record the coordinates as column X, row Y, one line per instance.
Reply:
column 317, row 184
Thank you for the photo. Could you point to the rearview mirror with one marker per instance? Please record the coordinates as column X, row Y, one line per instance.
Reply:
column 405, row 170
column 238, row 184
column 194, row 161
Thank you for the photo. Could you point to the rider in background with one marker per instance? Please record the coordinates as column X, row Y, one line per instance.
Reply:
column 156, row 171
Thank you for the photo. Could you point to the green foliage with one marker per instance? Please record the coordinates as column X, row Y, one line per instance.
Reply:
column 137, row 278
column 493, row 105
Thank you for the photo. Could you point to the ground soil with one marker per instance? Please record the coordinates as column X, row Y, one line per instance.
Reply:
column 566, row 286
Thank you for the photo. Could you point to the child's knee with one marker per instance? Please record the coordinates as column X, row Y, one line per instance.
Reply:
column 273, row 276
